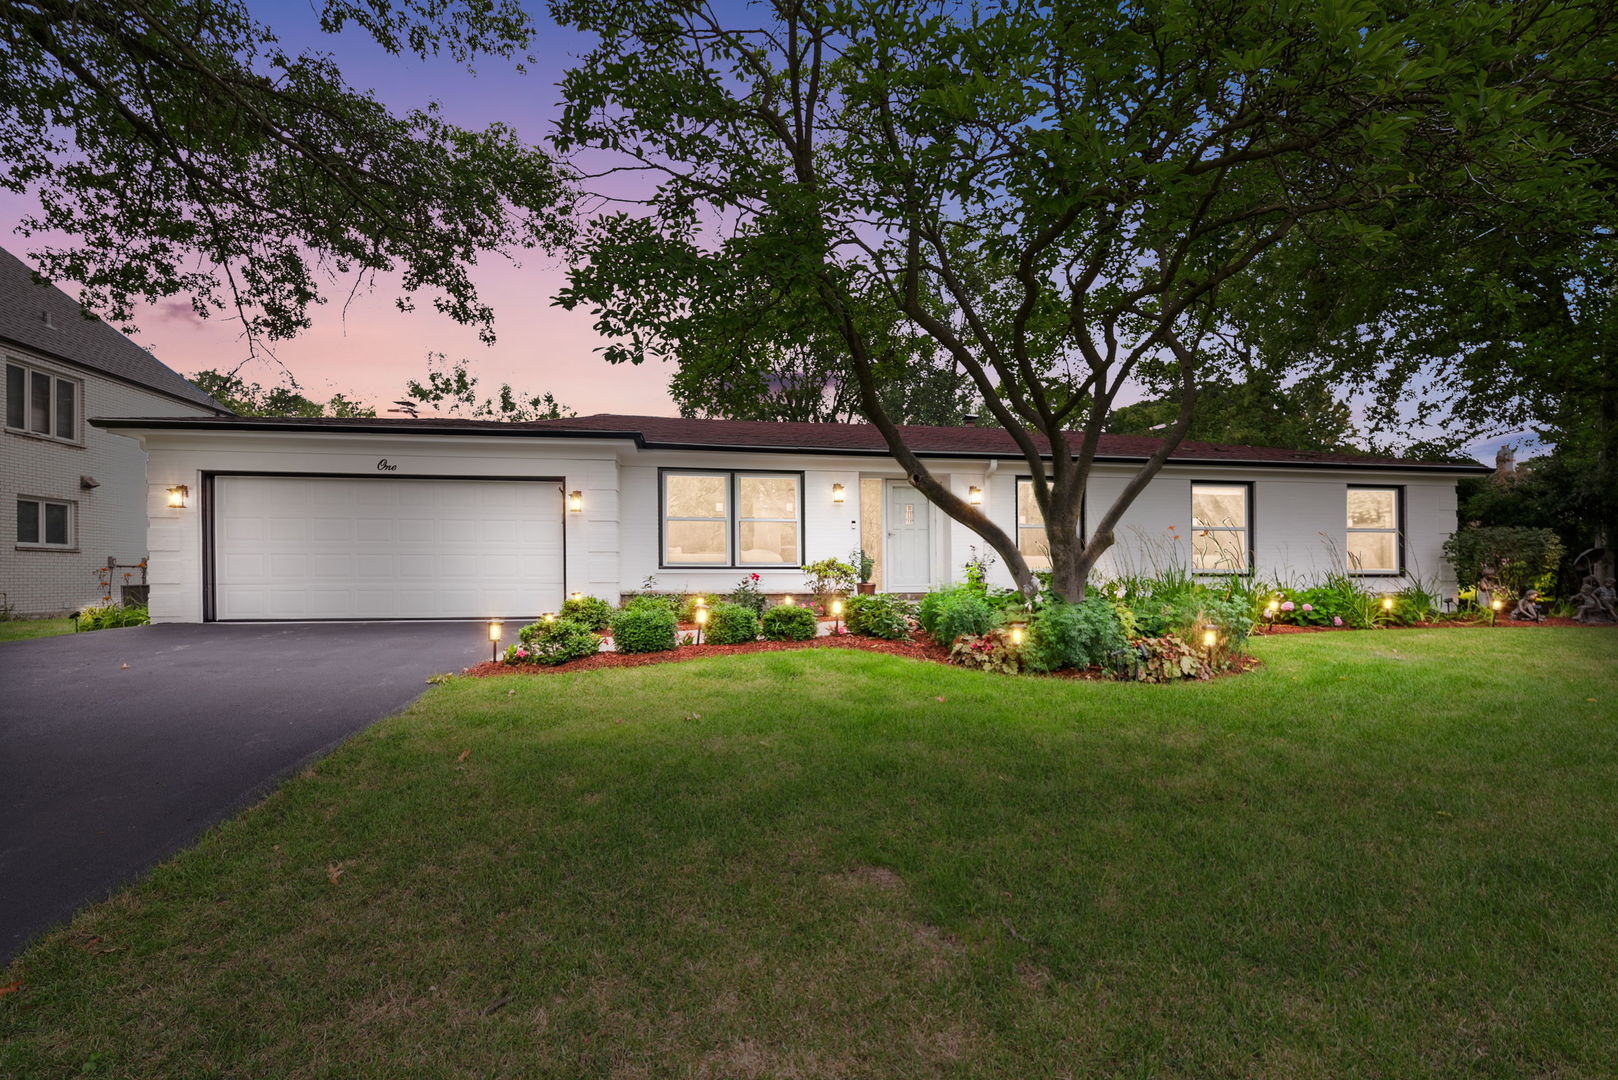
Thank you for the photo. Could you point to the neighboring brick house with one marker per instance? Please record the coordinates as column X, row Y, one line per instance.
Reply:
column 72, row 496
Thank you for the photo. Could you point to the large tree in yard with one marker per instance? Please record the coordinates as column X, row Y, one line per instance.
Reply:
column 184, row 151
column 1060, row 198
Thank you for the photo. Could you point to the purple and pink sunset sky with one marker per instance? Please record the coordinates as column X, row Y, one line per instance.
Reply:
column 370, row 349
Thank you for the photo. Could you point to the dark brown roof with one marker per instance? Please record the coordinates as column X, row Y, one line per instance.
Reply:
column 49, row 321
column 672, row 432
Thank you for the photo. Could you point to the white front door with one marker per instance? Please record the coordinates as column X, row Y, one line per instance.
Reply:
column 909, row 539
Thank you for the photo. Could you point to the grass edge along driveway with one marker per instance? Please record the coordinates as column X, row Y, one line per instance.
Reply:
column 1383, row 854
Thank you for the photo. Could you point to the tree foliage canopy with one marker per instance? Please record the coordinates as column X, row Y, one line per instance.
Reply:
column 234, row 392
column 1065, row 203
column 185, row 151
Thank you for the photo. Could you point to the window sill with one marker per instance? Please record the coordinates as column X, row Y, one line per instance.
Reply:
column 48, row 547
column 36, row 436
column 729, row 566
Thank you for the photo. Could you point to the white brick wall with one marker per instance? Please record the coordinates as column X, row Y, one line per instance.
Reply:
column 110, row 519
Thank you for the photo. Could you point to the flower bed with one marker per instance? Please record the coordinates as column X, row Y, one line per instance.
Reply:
column 918, row 647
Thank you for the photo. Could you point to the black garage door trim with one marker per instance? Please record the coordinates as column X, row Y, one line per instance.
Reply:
column 209, row 568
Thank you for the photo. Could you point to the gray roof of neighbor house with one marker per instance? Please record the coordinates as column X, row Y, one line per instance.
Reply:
column 49, row 321
column 677, row 433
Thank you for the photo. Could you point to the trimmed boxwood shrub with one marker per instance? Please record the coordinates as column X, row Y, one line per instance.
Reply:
column 963, row 611
column 644, row 626
column 592, row 611
column 789, row 624
column 554, row 643
column 1082, row 635
column 730, row 624
column 878, row 615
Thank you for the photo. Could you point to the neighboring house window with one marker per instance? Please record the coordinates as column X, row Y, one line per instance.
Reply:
column 41, row 403
column 44, row 523
column 723, row 518
column 1221, row 528
column 1373, row 531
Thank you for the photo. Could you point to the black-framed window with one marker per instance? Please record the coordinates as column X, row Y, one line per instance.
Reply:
column 730, row 518
column 1032, row 540
column 1375, row 525
column 44, row 522
column 41, row 403
column 1221, row 527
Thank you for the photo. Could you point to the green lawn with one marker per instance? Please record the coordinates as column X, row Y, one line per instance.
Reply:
column 24, row 629
column 1388, row 854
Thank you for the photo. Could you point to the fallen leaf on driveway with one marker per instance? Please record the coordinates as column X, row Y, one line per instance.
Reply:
column 123, row 667
column 464, row 755
column 334, row 872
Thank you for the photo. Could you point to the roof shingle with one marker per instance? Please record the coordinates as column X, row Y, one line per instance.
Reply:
column 671, row 432
column 25, row 306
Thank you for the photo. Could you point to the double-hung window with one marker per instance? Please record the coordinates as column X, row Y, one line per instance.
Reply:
column 1373, row 545
column 41, row 403
column 44, row 523
column 729, row 518
column 1032, row 540
column 1221, row 528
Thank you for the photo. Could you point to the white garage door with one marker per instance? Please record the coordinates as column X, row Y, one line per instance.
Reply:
column 303, row 547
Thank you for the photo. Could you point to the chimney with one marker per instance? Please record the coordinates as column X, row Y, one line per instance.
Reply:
column 970, row 419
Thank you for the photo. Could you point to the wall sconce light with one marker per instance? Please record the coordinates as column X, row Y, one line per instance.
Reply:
column 494, row 639
column 701, row 617
column 837, row 493
column 575, row 501
column 178, row 494
column 974, row 495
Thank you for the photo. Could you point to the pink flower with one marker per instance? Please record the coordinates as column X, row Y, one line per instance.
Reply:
column 1308, row 607
column 1288, row 606
column 753, row 576
column 522, row 654
column 1337, row 620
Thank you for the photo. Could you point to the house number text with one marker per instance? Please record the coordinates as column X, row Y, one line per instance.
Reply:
column 383, row 466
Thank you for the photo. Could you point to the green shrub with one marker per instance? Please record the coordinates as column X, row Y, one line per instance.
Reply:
column 1518, row 559
column 1186, row 613
column 1082, row 635
column 592, row 611
column 731, row 624
column 671, row 602
column 957, row 612
column 111, row 616
column 828, row 578
column 786, row 623
column 552, row 643
column 644, row 626
column 879, row 615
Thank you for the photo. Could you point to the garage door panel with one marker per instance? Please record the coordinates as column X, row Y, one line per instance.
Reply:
column 361, row 548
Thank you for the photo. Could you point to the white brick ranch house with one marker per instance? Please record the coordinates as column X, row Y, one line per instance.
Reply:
column 456, row 519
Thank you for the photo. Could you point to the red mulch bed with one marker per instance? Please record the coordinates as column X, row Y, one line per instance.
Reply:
column 921, row 647
column 1500, row 624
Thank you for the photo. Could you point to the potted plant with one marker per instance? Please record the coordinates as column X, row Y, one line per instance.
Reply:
column 866, row 566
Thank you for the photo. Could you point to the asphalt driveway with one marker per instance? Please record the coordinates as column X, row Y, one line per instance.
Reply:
column 120, row 747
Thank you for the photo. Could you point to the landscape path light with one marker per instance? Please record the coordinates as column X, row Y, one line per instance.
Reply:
column 1210, row 637
column 837, row 612
column 701, row 615
column 576, row 597
column 495, row 630
column 1019, row 630
column 1495, row 607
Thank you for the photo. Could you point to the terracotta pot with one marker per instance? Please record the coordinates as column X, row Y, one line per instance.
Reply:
column 867, row 588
